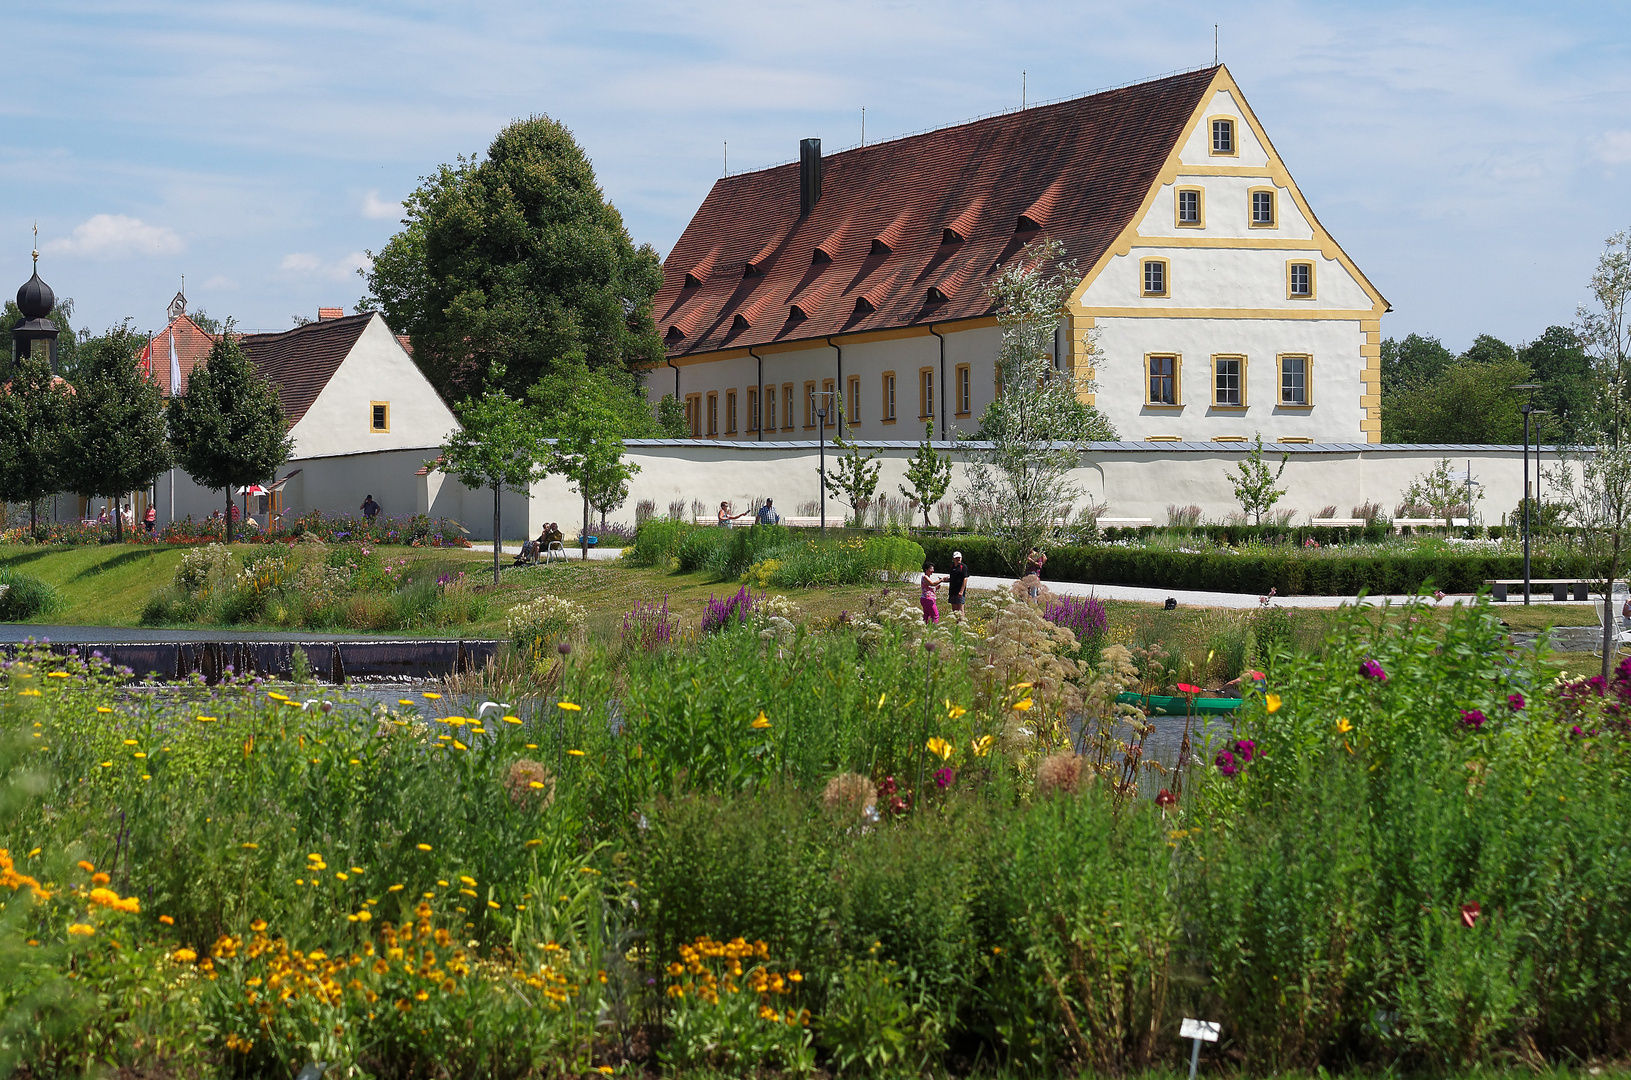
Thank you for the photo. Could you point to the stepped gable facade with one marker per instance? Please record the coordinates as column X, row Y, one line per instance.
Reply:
column 1211, row 304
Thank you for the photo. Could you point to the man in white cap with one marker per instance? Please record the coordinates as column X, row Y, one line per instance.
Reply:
column 957, row 581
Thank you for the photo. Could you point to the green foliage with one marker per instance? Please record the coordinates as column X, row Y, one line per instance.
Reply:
column 33, row 435
column 115, row 421
column 1472, row 401
column 1254, row 483
column 1271, row 635
column 588, row 446
column 496, row 446
column 517, row 261
column 657, row 541
column 844, row 562
column 853, row 477
column 671, row 418
column 874, row 1025
column 928, row 473
column 1440, row 494
column 228, row 430
column 25, row 596
column 1289, row 571
column 1413, row 362
column 1569, row 392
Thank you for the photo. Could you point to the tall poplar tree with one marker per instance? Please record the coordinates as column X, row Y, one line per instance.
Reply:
column 33, row 422
column 228, row 429
column 115, row 422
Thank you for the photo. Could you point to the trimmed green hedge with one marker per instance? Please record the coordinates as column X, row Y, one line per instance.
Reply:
column 1292, row 573
column 1235, row 535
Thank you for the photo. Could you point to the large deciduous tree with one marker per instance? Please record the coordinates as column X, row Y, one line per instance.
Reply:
column 228, row 430
column 33, row 426
column 115, row 421
column 517, row 260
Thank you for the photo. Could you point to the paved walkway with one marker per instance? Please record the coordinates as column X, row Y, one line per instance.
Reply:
column 1196, row 598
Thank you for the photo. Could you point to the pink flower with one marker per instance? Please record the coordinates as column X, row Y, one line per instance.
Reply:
column 1225, row 761
column 943, row 777
column 1514, row 702
column 1370, row 669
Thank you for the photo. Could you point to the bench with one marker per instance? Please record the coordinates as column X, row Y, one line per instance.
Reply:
column 1560, row 587
column 1340, row 523
column 1400, row 524
column 1124, row 523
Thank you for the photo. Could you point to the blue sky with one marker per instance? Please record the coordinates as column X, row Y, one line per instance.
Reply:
column 1471, row 159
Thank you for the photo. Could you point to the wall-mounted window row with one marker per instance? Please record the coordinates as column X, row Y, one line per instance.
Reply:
column 1301, row 280
column 1163, row 381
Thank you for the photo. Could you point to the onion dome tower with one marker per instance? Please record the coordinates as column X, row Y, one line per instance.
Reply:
column 35, row 300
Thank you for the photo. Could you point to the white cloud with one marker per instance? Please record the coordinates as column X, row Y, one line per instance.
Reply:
column 112, row 236
column 375, row 207
column 341, row 269
column 1615, row 147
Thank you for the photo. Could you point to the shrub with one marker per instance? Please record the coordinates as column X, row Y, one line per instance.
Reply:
column 657, row 541
column 24, row 596
column 537, row 625
column 702, row 549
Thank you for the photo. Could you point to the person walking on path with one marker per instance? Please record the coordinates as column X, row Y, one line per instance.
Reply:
column 767, row 515
column 931, row 611
column 1034, row 562
column 370, row 509
column 726, row 517
column 957, row 580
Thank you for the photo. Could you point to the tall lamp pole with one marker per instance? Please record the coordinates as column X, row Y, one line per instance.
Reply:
column 1527, row 408
column 821, row 437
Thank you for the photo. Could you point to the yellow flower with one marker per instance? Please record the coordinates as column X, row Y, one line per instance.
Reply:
column 953, row 712
column 568, row 706
column 574, row 753
column 1020, row 686
column 432, row 695
column 761, row 722
column 89, row 868
column 536, row 785
column 103, row 709
column 396, row 888
column 1344, row 725
column 35, row 693
column 184, row 956
column 512, row 719
column 107, row 764
column 493, row 904
column 534, row 843
column 1271, row 702
column 206, row 719
column 130, row 742
column 422, row 847
column 139, row 754
column 457, row 745
column 340, row 876
column 250, row 846
column 363, row 915
column 404, row 701
column 940, row 747
column 604, row 1070
column 981, row 746
column 1022, row 705
column 56, row 675
column 166, row 920
column 356, row 869
column 80, row 929
column 881, row 698
column 275, row 696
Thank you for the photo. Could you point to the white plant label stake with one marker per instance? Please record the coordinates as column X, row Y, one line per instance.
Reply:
column 1200, row 1031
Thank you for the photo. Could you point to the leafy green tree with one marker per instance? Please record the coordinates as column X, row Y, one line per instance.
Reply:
column 33, row 435
column 518, row 260
column 228, row 429
column 495, row 446
column 62, row 313
column 1254, row 483
column 1471, row 401
column 928, row 473
column 1412, row 362
column 589, row 452
column 115, row 421
column 1487, row 349
column 1604, row 328
column 853, row 476
column 1569, row 392
column 1034, row 432
column 671, row 418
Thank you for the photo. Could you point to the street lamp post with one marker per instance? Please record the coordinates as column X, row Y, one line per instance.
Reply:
column 821, row 440
column 1527, row 408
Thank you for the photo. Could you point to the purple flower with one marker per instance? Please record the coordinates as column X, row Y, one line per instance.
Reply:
column 1472, row 719
column 943, row 777
column 1246, row 749
column 1514, row 702
column 1575, row 731
column 1372, row 670
column 1083, row 615
column 1225, row 761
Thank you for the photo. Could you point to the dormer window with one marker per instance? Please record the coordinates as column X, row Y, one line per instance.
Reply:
column 1223, row 137
column 936, row 296
column 950, row 236
column 820, row 257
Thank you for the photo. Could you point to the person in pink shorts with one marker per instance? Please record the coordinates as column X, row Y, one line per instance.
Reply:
column 931, row 610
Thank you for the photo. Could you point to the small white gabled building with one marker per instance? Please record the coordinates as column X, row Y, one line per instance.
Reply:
column 1212, row 304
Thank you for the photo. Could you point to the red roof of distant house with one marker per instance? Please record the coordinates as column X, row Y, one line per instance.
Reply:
column 193, row 344
column 300, row 362
column 939, row 211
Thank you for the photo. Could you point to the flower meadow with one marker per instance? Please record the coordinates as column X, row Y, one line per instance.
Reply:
column 876, row 849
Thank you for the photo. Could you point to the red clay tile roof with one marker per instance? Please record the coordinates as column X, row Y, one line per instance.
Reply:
column 324, row 313
column 300, row 362
column 1076, row 172
column 193, row 346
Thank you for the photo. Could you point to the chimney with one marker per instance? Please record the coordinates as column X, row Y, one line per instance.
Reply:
column 324, row 314
column 809, row 175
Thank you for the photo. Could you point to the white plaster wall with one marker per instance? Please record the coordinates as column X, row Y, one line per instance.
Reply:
column 1226, row 210
column 1333, row 345
column 1132, row 482
column 1197, row 148
column 1225, row 278
column 377, row 369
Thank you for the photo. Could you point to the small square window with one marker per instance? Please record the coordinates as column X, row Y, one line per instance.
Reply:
column 1155, row 277
column 379, row 416
column 1227, row 382
column 1294, row 380
column 1163, row 380
column 1189, row 206
column 1262, row 208
column 1223, row 136
column 1300, row 282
